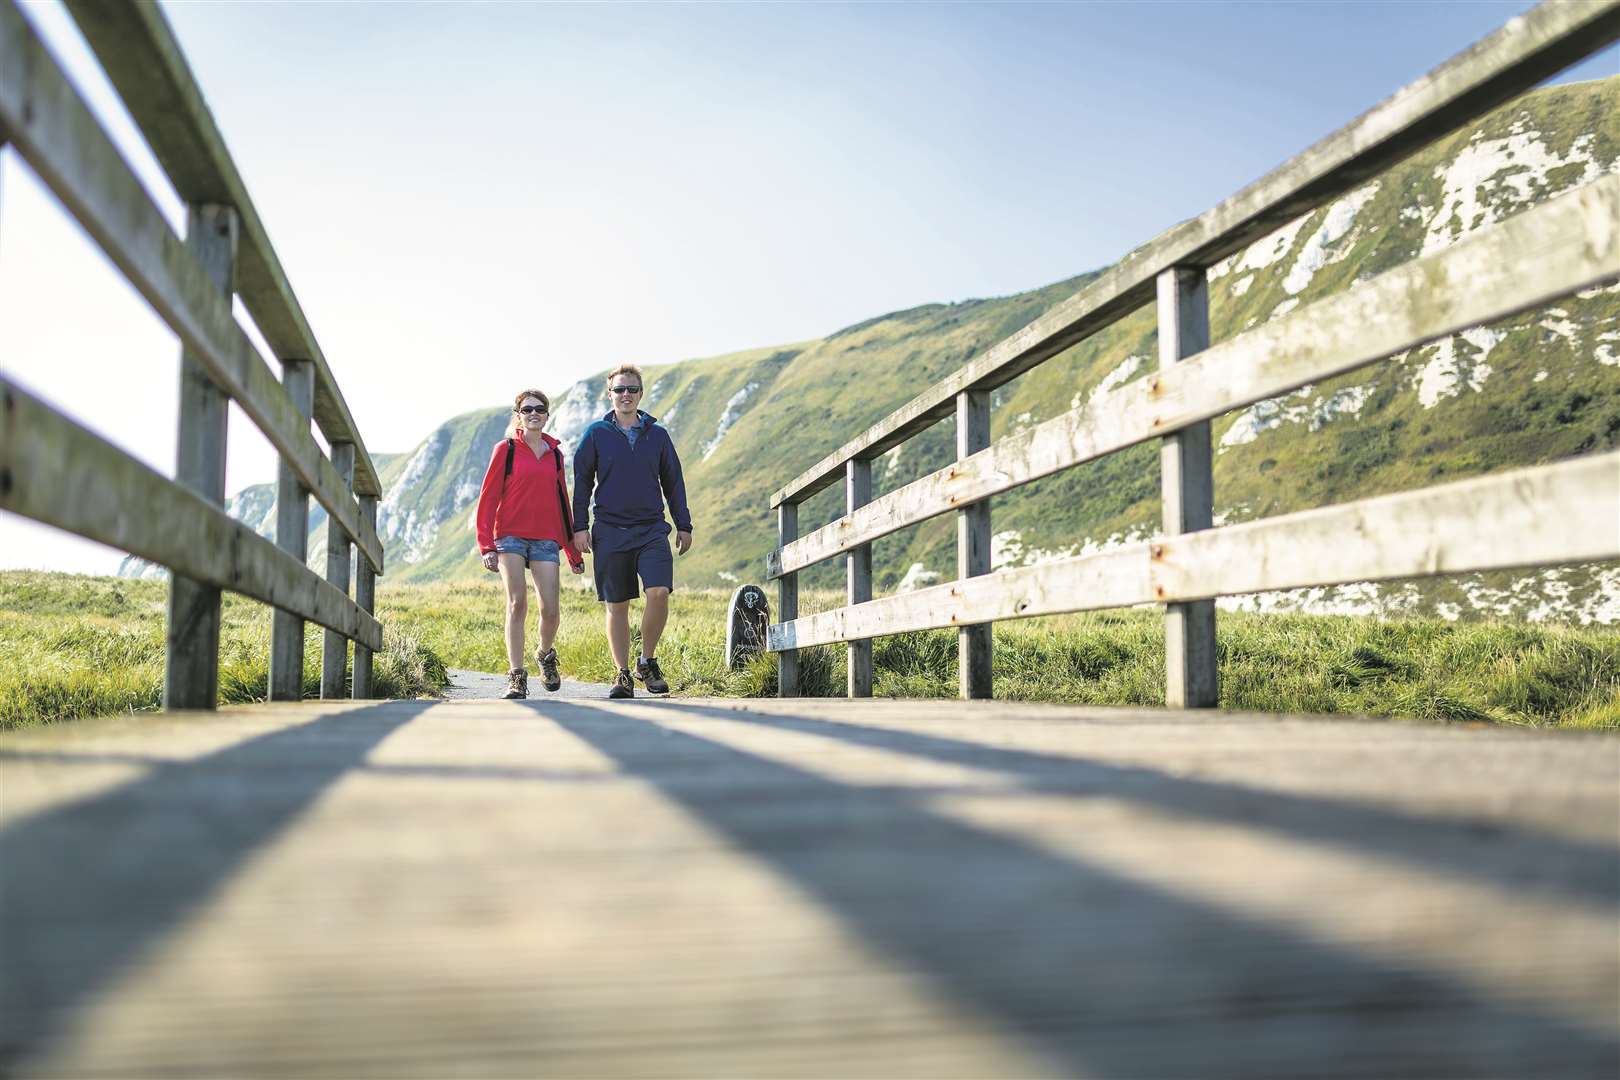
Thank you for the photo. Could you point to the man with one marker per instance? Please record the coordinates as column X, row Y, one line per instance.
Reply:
column 629, row 462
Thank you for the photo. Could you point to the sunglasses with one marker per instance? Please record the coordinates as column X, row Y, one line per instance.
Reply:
column 527, row 409
column 627, row 389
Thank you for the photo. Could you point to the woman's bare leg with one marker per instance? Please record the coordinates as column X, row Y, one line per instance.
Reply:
column 547, row 589
column 517, row 607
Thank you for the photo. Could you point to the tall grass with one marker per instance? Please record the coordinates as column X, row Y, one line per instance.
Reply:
column 77, row 646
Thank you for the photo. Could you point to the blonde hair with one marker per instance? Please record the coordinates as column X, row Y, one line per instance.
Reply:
column 627, row 369
column 517, row 402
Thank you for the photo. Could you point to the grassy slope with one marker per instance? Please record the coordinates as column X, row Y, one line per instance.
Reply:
column 840, row 385
column 1544, row 397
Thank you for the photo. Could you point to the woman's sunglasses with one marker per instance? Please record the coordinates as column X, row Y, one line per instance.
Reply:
column 527, row 409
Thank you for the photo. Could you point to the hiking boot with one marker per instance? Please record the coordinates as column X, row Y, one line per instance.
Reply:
column 647, row 671
column 549, row 675
column 517, row 684
column 622, row 687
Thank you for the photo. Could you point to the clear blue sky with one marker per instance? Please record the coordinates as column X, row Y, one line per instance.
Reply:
column 471, row 198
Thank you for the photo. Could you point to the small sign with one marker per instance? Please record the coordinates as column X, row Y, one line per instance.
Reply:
column 747, row 625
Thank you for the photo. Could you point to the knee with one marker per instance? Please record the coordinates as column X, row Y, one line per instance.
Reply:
column 549, row 610
column 657, row 592
column 517, row 605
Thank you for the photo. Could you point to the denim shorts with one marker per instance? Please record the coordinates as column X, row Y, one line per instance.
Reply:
column 533, row 551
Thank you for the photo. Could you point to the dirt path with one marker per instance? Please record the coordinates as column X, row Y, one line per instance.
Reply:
column 484, row 686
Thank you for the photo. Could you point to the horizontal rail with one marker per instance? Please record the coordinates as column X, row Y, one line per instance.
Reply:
column 1515, row 58
column 56, row 472
column 56, row 133
column 147, row 67
column 1552, row 250
column 1567, row 512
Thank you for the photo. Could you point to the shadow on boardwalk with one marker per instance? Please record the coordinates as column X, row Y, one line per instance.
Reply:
column 86, row 887
column 1109, row 976
column 597, row 844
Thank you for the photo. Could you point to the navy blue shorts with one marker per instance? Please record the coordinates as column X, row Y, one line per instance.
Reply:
column 620, row 554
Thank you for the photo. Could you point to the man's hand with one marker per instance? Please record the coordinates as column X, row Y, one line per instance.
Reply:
column 582, row 542
column 683, row 541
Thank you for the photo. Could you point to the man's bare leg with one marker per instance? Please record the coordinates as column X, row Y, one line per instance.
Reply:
column 653, row 618
column 618, row 633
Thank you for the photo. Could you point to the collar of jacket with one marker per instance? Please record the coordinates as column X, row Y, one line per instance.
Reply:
column 643, row 418
column 517, row 433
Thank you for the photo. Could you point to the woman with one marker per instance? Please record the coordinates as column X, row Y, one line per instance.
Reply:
column 523, row 521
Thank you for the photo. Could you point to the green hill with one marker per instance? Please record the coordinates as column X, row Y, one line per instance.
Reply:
column 1534, row 388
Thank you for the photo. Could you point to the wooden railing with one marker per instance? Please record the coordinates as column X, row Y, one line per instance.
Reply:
column 54, row 471
column 1561, row 513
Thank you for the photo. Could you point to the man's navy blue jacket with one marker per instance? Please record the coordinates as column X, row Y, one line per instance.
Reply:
column 631, row 483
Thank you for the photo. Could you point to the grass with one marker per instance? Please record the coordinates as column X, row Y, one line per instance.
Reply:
column 79, row 646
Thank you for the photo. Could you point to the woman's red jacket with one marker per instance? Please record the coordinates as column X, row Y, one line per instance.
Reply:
column 529, row 503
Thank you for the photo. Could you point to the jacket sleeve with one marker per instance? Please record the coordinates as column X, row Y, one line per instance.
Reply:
column 674, row 485
column 574, row 557
column 489, row 498
column 584, row 480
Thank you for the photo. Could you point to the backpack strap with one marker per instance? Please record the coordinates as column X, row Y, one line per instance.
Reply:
column 511, row 448
column 567, row 511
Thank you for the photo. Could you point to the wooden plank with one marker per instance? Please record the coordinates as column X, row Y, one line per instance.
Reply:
column 857, row 493
column 191, row 668
column 147, row 67
column 787, row 603
column 1553, row 250
column 292, row 536
column 926, row 890
column 365, row 595
column 1186, row 468
column 61, row 140
column 1110, row 579
column 57, row 472
column 1513, row 59
column 1567, row 512
column 974, row 656
column 335, row 647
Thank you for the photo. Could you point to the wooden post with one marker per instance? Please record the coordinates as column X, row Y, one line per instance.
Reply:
column 365, row 595
column 335, row 650
column 973, row 648
column 191, row 672
column 292, row 536
column 858, row 563
column 787, row 602
column 1189, row 494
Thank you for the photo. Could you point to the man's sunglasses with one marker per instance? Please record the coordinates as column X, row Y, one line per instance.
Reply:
column 527, row 409
column 627, row 389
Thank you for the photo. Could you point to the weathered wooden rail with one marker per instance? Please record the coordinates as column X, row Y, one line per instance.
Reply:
column 1560, row 513
column 56, row 472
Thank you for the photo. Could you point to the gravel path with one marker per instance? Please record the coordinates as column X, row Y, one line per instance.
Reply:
column 481, row 685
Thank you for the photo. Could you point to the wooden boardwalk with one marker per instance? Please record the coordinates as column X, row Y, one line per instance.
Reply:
column 805, row 888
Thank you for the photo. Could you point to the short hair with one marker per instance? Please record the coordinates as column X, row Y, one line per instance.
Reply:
column 518, row 401
column 627, row 369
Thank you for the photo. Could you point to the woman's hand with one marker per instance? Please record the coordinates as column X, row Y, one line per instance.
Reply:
column 489, row 560
column 577, row 567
